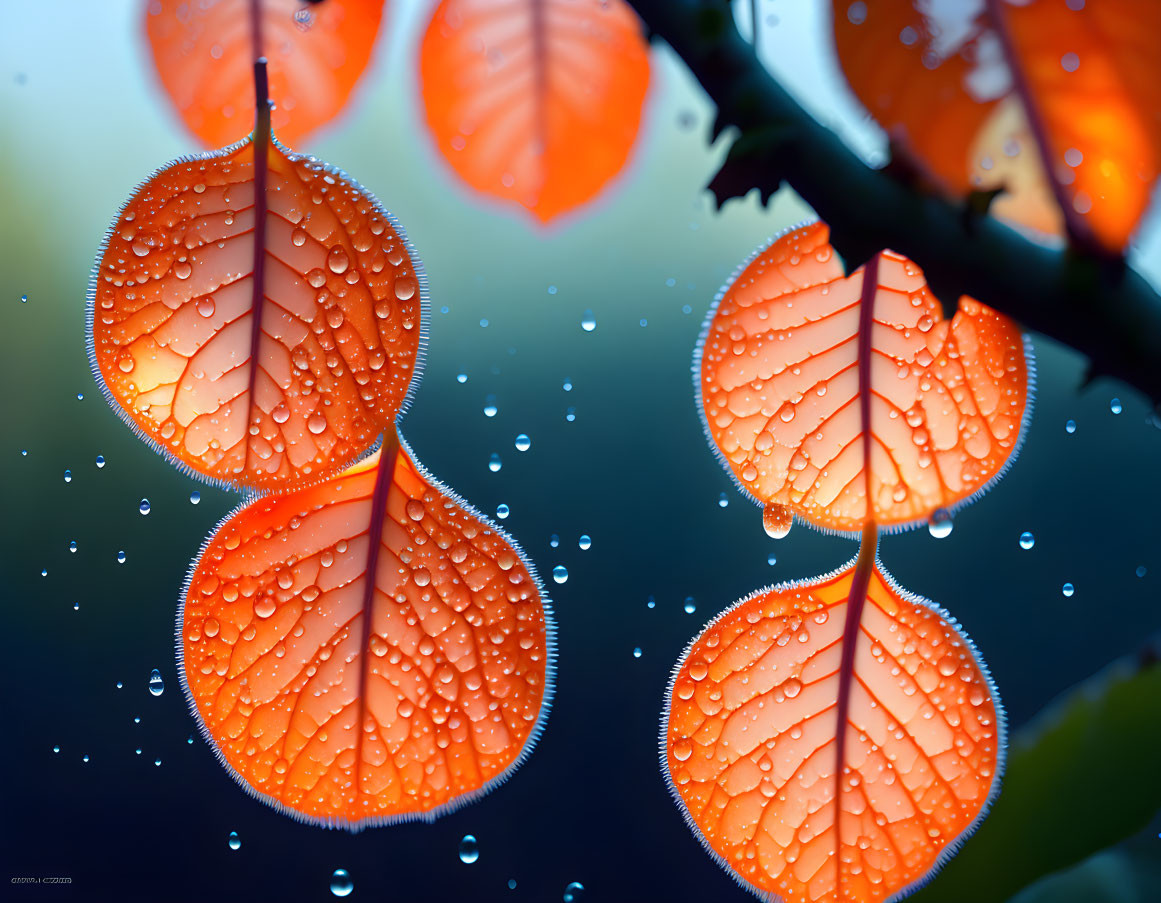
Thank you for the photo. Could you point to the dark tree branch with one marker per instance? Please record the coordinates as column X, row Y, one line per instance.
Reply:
column 1099, row 307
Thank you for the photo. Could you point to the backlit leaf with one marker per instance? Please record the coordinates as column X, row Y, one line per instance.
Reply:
column 751, row 737
column 368, row 649
column 204, row 52
column 1000, row 93
column 257, row 360
column 537, row 102
column 846, row 403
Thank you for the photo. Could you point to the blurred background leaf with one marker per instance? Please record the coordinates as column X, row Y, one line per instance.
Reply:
column 1081, row 776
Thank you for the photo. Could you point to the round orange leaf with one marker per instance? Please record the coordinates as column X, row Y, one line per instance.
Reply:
column 750, row 743
column 366, row 650
column 256, row 360
column 204, row 53
column 850, row 404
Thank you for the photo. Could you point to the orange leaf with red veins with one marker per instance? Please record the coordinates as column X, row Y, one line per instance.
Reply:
column 751, row 740
column 368, row 649
column 205, row 51
column 537, row 102
column 1060, row 103
column 261, row 338
column 849, row 399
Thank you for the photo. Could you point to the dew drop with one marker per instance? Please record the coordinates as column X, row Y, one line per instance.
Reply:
column 523, row 443
column 940, row 524
column 690, row 605
column 560, row 573
column 73, row 546
column 1027, row 540
column 777, row 520
column 490, row 408
column 1070, row 426
column 195, row 497
column 1068, row 589
column 120, row 558
column 143, row 507
column 100, row 461
column 234, row 842
column 469, row 849
column 317, row 278
column 298, row 236
column 589, row 321
column 494, row 463
column 205, row 306
column 723, row 500
column 585, row 542
column 337, row 260
column 502, row 511
column 636, row 652
column 1115, row 406
column 316, row 423
column 68, row 476
column 341, row 883
column 156, row 684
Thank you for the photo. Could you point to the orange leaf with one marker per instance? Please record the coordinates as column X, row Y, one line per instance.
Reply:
column 258, row 360
column 751, row 750
column 366, row 650
column 204, row 53
column 821, row 393
column 1000, row 93
column 535, row 101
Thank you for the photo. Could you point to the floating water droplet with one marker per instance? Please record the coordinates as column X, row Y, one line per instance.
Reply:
column 85, row 757
column 570, row 414
column 511, row 884
column 144, row 506
column 650, row 602
column 73, row 546
column 1115, row 406
column 554, row 540
column 156, row 684
column 560, row 573
column 157, row 762
column 585, row 542
column 1070, row 426
column 68, row 476
column 234, row 841
column 56, row 749
column 552, row 290
column 636, row 652
column 490, row 408
column 589, row 321
column 462, row 378
column 1141, row 570
column 76, row 606
column 1068, row 589
column 940, row 524
column 574, row 893
column 494, row 463
column 690, row 605
column 195, row 497
column 502, row 511
column 567, row 385
column 24, row 299
column 469, row 849
column 771, row 560
column 121, row 557
column 80, row 396
column 723, row 500
column 100, row 460
column 523, row 443
column 341, row 883
column 1027, row 540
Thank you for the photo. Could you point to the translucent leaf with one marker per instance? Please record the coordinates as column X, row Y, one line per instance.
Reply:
column 537, row 102
column 366, row 650
column 847, row 403
column 751, row 739
column 204, row 53
column 1060, row 102
column 260, row 360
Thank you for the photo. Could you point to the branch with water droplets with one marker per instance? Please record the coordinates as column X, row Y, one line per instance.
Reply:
column 1100, row 308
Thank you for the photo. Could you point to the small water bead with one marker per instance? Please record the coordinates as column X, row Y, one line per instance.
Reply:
column 156, row 684
column 552, row 290
column 574, row 893
column 567, row 385
column 73, row 546
column 461, row 378
column 560, row 573
column 1027, row 540
column 195, row 497
column 1068, row 589
column 56, row 749
column 1141, row 570
column 585, row 542
column 100, row 461
column 68, row 476
column 1070, row 426
column 205, row 306
column 940, row 524
column 771, row 560
column 523, row 443
column 469, row 849
column 483, row 322
column 341, row 883
column 554, row 540
column 490, row 408
column 651, row 602
column 570, row 414
column 24, row 299
column 85, row 757
column 298, row 236
column 337, row 260
column 723, row 500
column 143, row 507
column 157, row 762
column 1115, row 406
column 494, row 463
column 76, row 606
column 690, row 605
column 502, row 511
column 589, row 321
column 234, row 841
column 121, row 557
column 777, row 520
column 316, row 423
column 636, row 652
